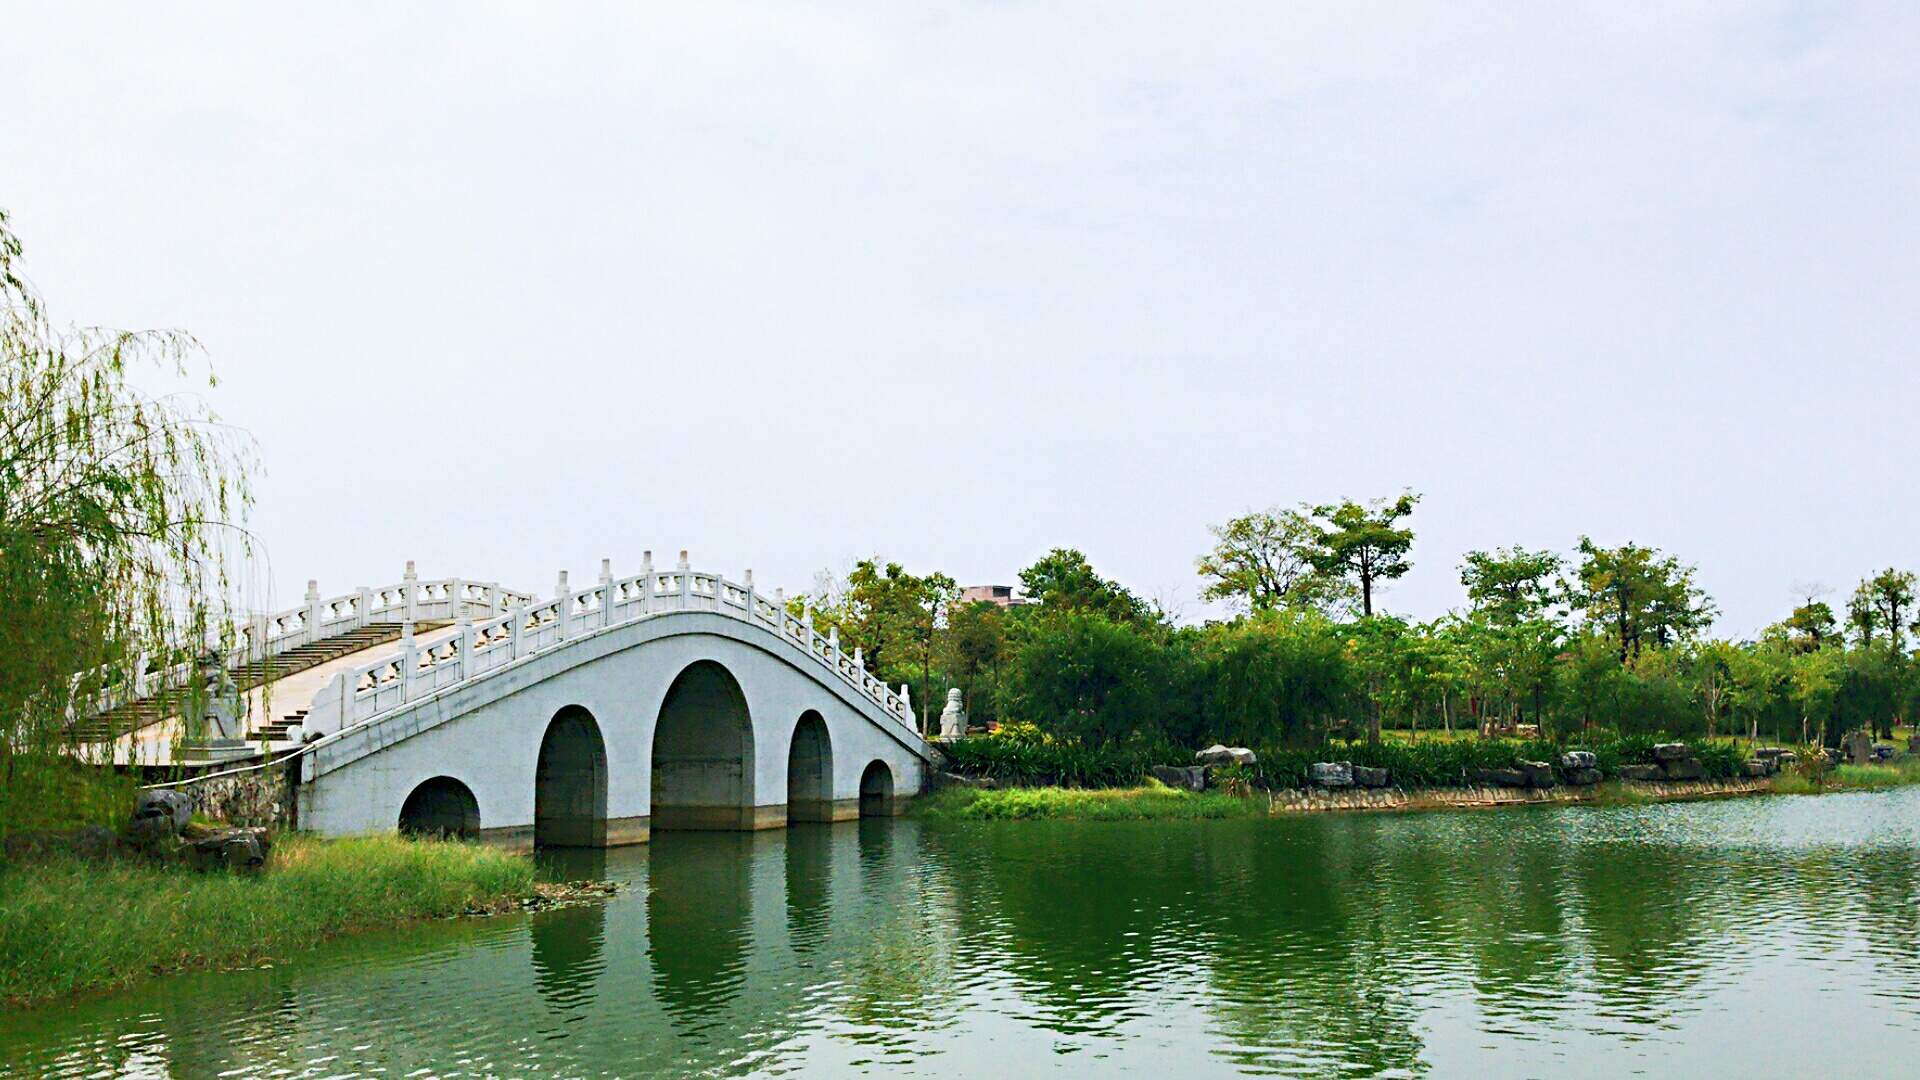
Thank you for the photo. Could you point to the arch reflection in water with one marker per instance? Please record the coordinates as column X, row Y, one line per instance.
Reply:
column 809, row 858
column 569, row 955
column 698, row 907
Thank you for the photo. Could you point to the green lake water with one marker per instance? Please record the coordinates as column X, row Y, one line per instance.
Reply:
column 1750, row 938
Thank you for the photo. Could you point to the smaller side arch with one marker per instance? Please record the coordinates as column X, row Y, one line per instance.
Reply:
column 810, row 770
column 570, row 783
column 442, row 807
column 876, row 790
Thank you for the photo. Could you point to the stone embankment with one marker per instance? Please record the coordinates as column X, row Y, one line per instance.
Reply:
column 1309, row 800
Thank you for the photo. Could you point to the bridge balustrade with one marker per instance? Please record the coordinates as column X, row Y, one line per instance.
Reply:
column 529, row 627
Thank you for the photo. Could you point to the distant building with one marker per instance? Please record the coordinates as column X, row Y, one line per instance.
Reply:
column 1000, row 596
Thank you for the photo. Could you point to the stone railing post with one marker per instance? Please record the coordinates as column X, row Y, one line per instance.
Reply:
column 646, row 582
column 313, row 614
column 517, row 615
column 606, row 592
column 906, row 703
column 780, row 611
column 563, row 595
column 363, row 606
column 747, row 588
column 407, row 590
column 464, row 640
column 686, row 583
column 456, row 600
column 807, row 636
column 409, row 661
column 833, row 648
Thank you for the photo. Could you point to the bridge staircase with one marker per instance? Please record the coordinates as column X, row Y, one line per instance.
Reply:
column 274, row 647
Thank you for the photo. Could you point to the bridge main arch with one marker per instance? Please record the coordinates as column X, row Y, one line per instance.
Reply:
column 703, row 759
column 570, row 783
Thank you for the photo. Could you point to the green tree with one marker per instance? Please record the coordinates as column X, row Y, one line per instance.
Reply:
column 1365, row 545
column 1064, row 581
column 1811, row 625
column 1081, row 676
column 1511, row 585
column 1638, row 597
column 893, row 617
column 1883, row 603
column 1813, row 680
column 970, row 651
column 1276, row 679
column 121, row 513
column 1265, row 561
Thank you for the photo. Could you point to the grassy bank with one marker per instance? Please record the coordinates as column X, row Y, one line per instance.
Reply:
column 69, row 926
column 1153, row 802
column 1156, row 802
column 1902, row 770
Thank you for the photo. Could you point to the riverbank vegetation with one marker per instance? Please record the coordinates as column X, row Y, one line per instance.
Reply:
column 1603, row 646
column 1148, row 802
column 70, row 925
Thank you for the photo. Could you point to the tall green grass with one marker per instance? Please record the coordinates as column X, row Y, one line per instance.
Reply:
column 69, row 926
column 1150, row 803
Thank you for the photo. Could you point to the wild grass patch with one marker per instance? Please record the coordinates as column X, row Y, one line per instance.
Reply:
column 69, row 926
column 1152, row 802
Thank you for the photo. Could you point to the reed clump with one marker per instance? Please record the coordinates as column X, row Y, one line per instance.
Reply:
column 71, row 925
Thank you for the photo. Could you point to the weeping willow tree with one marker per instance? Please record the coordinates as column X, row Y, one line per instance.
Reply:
column 121, row 518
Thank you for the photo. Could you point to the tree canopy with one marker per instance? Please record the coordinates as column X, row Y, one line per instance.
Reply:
column 121, row 513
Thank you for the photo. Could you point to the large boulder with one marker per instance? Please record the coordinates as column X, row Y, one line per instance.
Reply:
column 1368, row 777
column 1642, row 772
column 161, row 815
column 1757, row 767
column 1332, row 774
column 1579, row 759
column 1539, row 774
column 1858, row 747
column 1501, row 777
column 1684, row 769
column 1184, row 777
column 1225, row 755
column 1583, row 777
column 236, row 850
column 1672, row 751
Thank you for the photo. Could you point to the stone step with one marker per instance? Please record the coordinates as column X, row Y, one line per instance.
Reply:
column 135, row 715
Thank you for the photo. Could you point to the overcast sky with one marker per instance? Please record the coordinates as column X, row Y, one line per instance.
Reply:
column 506, row 289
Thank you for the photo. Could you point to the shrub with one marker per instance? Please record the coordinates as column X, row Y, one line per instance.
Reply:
column 1022, row 754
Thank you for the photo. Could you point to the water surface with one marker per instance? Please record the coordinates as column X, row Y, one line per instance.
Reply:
column 1758, row 938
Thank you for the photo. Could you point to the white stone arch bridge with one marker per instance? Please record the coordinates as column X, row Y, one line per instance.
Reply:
column 671, row 699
